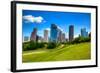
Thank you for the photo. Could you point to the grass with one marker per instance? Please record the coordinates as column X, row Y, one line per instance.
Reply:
column 80, row 51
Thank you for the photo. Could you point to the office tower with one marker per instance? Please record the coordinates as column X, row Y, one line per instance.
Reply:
column 59, row 35
column 46, row 35
column 34, row 35
column 53, row 33
column 63, row 39
column 71, row 33
column 84, row 33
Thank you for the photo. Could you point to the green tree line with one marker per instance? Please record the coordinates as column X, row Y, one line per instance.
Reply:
column 51, row 45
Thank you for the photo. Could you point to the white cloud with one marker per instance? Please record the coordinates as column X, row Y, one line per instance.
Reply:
column 48, row 29
column 38, row 19
column 33, row 19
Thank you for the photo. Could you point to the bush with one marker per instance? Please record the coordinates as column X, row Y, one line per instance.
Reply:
column 25, row 46
column 32, row 45
column 80, row 39
column 40, row 45
column 51, row 45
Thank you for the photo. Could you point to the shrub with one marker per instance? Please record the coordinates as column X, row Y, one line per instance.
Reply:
column 51, row 45
column 40, row 45
column 80, row 39
column 26, row 46
column 32, row 45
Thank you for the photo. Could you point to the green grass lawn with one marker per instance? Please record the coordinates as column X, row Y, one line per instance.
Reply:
column 80, row 51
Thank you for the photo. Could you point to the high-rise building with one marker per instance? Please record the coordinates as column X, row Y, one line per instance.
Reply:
column 71, row 33
column 46, row 35
column 59, row 35
column 54, row 33
column 34, row 35
column 84, row 33
column 63, row 39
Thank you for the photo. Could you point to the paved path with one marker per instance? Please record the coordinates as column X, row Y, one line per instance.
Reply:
column 35, row 52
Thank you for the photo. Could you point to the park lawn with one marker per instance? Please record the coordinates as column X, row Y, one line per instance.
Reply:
column 80, row 51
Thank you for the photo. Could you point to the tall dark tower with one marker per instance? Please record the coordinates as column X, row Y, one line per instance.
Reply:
column 34, row 35
column 71, row 32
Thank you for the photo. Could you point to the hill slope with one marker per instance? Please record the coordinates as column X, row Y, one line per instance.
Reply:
column 64, row 52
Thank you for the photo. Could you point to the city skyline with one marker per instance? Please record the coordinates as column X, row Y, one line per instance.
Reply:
column 56, row 35
column 43, row 20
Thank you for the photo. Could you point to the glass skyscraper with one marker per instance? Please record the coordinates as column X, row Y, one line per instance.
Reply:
column 54, row 33
column 84, row 33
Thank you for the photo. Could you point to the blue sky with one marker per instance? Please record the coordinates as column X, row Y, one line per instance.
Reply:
column 43, row 20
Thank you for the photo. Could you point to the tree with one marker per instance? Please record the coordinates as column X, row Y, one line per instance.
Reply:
column 80, row 39
column 51, row 45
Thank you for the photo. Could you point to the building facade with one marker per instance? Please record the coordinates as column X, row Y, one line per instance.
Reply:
column 54, row 33
column 33, row 36
column 59, row 35
column 46, row 36
column 84, row 33
column 71, row 33
column 63, row 39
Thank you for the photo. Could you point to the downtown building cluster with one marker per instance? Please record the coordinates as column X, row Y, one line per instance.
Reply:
column 56, row 35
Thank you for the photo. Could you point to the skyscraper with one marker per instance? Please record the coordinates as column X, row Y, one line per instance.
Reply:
column 63, row 39
column 54, row 33
column 46, row 35
column 59, row 35
column 84, row 33
column 34, row 35
column 71, row 32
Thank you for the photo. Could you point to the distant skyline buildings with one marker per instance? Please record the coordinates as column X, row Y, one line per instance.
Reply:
column 56, row 34
column 38, row 19
column 84, row 33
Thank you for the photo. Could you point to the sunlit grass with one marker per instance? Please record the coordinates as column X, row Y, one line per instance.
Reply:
column 80, row 51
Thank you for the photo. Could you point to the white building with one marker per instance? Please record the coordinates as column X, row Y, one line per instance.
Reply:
column 46, row 36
